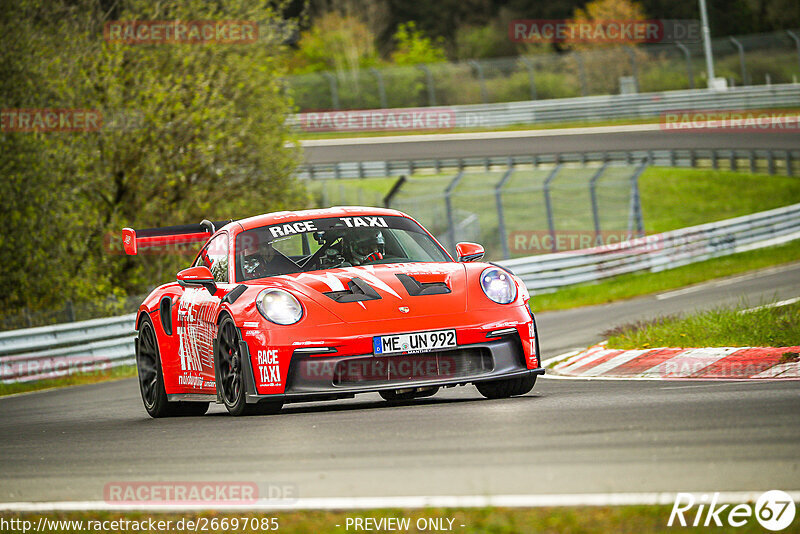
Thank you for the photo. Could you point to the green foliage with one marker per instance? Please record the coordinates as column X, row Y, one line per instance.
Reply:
column 335, row 42
column 413, row 47
column 205, row 138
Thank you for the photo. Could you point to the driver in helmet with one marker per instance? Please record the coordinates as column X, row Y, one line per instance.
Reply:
column 366, row 245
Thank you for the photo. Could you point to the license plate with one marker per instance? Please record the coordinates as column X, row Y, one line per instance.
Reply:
column 414, row 342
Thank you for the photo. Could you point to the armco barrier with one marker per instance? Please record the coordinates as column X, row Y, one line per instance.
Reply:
column 753, row 160
column 59, row 350
column 598, row 108
column 659, row 252
column 36, row 353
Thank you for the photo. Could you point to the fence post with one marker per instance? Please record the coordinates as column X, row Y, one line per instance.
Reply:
column 479, row 69
column 595, row 209
column 733, row 161
column 548, row 205
column 334, row 89
column 582, row 74
column 381, row 88
column 636, row 202
column 770, row 162
column 688, row 55
column 752, row 157
column 429, row 83
column 501, row 221
column 789, row 163
column 634, row 68
column 387, row 200
column 531, row 77
column 796, row 40
column 742, row 66
column 451, row 231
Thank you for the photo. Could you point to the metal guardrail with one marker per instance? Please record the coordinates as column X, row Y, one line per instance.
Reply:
column 100, row 344
column 769, row 161
column 65, row 349
column 659, row 252
column 594, row 108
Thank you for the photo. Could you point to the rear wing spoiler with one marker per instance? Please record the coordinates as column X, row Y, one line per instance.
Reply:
column 168, row 235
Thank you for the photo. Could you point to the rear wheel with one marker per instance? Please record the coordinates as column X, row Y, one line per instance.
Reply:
column 151, row 378
column 511, row 387
column 230, row 371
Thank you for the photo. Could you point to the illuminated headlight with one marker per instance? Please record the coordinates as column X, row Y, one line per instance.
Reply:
column 498, row 285
column 279, row 306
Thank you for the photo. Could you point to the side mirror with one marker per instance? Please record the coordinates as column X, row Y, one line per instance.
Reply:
column 198, row 276
column 469, row 251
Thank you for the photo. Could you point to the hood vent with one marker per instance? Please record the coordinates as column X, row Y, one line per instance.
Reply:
column 416, row 288
column 358, row 290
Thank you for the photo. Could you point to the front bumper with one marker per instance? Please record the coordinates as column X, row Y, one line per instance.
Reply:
column 337, row 376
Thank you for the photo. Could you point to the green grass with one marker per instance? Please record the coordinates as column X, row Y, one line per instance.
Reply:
column 720, row 327
column 509, row 128
column 588, row 520
column 115, row 373
column 636, row 284
column 677, row 198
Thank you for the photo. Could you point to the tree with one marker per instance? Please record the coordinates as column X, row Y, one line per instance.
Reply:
column 414, row 47
column 208, row 140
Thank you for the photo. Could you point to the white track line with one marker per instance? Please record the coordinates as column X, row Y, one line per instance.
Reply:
column 727, row 281
column 362, row 503
column 772, row 305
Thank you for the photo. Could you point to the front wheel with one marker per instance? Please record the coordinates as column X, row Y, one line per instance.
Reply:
column 510, row 387
column 230, row 364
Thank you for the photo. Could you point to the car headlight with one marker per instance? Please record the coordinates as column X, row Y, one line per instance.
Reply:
column 498, row 285
column 279, row 306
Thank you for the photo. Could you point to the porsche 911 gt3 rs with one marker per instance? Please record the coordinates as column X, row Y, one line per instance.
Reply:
column 325, row 304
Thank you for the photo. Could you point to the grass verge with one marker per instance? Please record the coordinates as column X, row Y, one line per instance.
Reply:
column 115, row 373
column 721, row 327
column 637, row 284
column 589, row 520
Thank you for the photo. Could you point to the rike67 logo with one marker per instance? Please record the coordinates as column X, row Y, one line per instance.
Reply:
column 774, row 510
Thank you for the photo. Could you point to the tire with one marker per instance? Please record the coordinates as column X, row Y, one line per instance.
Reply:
column 151, row 378
column 230, row 374
column 392, row 395
column 511, row 387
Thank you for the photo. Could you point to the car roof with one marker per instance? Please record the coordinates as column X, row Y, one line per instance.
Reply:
column 292, row 216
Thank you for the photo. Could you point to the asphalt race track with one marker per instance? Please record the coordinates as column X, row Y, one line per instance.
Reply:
column 637, row 137
column 567, row 436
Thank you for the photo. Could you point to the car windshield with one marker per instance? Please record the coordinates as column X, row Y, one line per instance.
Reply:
column 328, row 243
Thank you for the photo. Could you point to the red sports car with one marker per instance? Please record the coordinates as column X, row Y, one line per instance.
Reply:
column 324, row 304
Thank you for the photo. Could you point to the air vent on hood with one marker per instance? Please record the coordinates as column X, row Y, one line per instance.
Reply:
column 416, row 288
column 359, row 290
